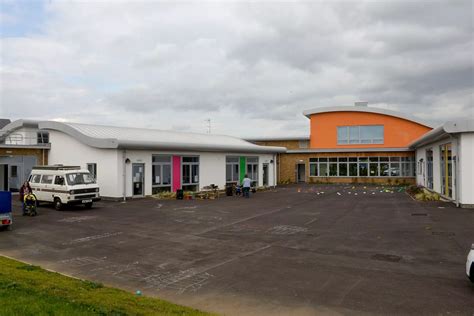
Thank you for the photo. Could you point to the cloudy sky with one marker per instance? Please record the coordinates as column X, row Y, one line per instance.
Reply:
column 252, row 68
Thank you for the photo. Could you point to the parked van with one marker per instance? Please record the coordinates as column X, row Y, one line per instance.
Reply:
column 61, row 185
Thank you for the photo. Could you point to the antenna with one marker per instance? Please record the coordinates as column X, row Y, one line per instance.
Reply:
column 208, row 121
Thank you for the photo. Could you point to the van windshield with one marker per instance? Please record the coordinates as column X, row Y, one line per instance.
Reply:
column 79, row 178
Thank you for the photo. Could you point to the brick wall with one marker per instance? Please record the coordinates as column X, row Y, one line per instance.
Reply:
column 289, row 144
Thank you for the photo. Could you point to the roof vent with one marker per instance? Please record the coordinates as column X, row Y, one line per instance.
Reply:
column 361, row 103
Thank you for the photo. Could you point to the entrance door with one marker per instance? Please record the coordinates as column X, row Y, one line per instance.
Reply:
column 265, row 174
column 301, row 172
column 138, row 171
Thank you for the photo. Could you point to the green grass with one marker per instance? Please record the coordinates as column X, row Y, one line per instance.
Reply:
column 30, row 290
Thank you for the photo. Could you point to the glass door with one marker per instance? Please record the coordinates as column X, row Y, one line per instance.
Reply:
column 429, row 169
column 265, row 174
column 138, row 171
column 446, row 170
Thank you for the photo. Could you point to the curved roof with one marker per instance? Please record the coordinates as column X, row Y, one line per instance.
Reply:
column 365, row 109
column 12, row 126
column 440, row 132
column 100, row 136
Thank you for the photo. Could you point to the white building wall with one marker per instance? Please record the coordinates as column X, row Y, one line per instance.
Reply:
column 212, row 167
column 67, row 150
column 462, row 147
column 466, row 165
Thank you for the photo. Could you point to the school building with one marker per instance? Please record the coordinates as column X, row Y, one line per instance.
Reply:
column 351, row 144
column 445, row 161
column 133, row 162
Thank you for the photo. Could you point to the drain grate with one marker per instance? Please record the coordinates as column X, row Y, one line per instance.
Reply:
column 419, row 214
column 386, row 257
column 443, row 233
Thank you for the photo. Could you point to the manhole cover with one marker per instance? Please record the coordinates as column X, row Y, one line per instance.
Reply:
column 386, row 257
column 419, row 214
column 443, row 233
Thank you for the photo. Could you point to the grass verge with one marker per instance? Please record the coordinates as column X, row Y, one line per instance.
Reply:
column 29, row 290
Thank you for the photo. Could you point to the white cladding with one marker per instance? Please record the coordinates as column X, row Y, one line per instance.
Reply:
column 110, row 164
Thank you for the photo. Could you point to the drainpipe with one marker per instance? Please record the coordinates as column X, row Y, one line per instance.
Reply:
column 124, row 175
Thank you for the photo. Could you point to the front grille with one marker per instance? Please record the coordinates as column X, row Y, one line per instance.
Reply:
column 85, row 196
column 80, row 191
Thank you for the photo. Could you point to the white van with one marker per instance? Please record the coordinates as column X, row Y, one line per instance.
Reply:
column 61, row 185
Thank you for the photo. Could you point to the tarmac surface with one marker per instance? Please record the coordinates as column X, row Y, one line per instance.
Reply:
column 299, row 250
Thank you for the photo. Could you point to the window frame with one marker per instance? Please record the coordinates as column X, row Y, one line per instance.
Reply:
column 404, row 167
column 356, row 139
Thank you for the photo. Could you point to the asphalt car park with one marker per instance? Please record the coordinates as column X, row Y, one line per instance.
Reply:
column 307, row 249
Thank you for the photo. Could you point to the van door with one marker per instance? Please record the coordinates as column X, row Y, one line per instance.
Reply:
column 35, row 185
column 59, row 188
column 46, row 188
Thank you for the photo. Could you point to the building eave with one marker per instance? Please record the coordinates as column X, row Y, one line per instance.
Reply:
column 365, row 109
column 347, row 150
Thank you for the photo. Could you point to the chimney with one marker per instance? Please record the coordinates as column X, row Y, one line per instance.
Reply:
column 361, row 103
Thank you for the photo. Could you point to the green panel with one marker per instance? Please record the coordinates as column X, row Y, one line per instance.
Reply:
column 243, row 168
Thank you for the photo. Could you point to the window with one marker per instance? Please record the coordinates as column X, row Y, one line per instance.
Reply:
column 42, row 137
column 78, row 178
column 92, row 167
column 365, row 134
column 47, row 179
column 333, row 167
column 429, row 168
column 190, row 167
column 14, row 171
column 362, row 167
column 232, row 169
column 343, row 167
column 252, row 168
column 59, row 180
column 161, row 173
column 35, row 178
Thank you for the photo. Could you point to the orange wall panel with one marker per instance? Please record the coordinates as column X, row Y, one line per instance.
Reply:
column 398, row 132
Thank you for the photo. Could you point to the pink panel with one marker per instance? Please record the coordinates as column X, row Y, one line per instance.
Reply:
column 176, row 173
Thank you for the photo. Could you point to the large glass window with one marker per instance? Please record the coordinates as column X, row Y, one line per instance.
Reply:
column 333, row 167
column 190, row 167
column 343, row 167
column 161, row 173
column 429, row 169
column 362, row 167
column 364, row 134
column 252, row 168
column 232, row 169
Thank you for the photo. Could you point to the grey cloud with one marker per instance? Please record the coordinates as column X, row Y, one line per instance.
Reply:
column 171, row 65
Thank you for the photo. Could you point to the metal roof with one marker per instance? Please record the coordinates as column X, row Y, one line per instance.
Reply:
column 276, row 138
column 100, row 136
column 440, row 132
column 365, row 109
column 10, row 127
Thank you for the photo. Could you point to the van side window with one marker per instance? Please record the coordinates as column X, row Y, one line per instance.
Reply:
column 35, row 178
column 59, row 180
column 47, row 178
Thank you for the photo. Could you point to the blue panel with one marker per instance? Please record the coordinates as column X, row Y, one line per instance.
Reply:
column 5, row 202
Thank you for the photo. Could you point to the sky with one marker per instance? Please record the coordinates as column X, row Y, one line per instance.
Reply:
column 249, row 67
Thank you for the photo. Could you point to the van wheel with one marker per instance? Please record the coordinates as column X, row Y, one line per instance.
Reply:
column 57, row 204
column 88, row 205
